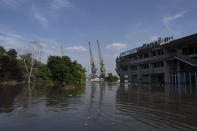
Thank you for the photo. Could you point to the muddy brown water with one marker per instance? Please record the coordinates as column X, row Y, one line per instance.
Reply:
column 98, row 107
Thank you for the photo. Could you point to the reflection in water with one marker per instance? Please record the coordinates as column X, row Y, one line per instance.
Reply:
column 101, row 88
column 92, row 95
column 98, row 106
column 151, row 106
column 7, row 96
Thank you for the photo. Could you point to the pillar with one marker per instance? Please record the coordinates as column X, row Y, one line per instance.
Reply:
column 196, row 80
column 121, row 75
column 166, row 68
column 178, row 76
column 166, row 73
column 150, row 71
column 190, row 81
column 185, row 82
column 129, row 74
column 139, row 75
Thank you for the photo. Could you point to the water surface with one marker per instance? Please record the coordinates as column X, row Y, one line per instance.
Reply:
column 98, row 107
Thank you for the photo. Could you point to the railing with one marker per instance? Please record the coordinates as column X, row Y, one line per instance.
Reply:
column 152, row 58
column 188, row 60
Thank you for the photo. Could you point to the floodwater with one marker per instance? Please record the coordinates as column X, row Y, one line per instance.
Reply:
column 98, row 107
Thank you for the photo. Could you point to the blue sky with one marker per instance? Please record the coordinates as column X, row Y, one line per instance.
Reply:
column 118, row 24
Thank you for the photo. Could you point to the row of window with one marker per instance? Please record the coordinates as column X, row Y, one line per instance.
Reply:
column 145, row 55
column 189, row 51
column 146, row 66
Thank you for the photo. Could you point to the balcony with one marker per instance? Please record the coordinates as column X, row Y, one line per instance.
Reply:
column 152, row 58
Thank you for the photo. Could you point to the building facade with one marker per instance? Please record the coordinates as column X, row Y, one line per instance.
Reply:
column 164, row 61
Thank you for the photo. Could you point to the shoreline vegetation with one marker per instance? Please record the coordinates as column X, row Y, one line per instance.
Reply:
column 27, row 69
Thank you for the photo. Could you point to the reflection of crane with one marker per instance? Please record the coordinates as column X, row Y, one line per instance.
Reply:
column 92, row 95
column 102, row 94
column 93, row 67
column 102, row 68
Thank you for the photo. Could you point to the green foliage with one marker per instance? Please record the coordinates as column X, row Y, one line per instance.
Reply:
column 12, row 53
column 2, row 51
column 111, row 78
column 10, row 68
column 43, row 73
column 59, row 69
column 102, row 76
column 65, row 71
column 118, row 66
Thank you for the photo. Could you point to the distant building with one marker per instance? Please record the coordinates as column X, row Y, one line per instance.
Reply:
column 163, row 61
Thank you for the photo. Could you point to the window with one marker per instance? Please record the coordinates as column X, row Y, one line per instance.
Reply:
column 133, row 67
column 160, row 52
column 145, row 55
column 158, row 64
column 144, row 66
column 153, row 53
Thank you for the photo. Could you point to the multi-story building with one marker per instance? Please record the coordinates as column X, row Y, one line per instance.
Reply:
column 163, row 61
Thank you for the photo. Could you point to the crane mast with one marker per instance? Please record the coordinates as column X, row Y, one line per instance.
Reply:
column 102, row 68
column 93, row 67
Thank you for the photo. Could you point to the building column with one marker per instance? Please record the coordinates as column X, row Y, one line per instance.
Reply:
column 166, row 69
column 150, row 71
column 129, row 74
column 121, row 75
column 179, row 75
column 196, row 80
column 166, row 73
column 139, row 75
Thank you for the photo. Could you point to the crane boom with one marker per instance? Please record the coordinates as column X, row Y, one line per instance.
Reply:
column 102, row 68
column 93, row 67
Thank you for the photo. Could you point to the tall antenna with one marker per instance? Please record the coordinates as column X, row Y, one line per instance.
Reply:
column 102, row 68
column 93, row 67
column 62, row 50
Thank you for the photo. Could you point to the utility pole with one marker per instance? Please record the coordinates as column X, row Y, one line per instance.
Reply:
column 102, row 67
column 92, row 64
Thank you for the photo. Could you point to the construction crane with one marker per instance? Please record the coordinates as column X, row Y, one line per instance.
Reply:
column 102, row 67
column 93, row 67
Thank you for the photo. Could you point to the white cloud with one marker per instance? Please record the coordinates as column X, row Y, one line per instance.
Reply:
column 154, row 38
column 12, row 40
column 41, row 19
column 76, row 48
column 11, row 3
column 169, row 19
column 5, row 33
column 116, row 46
column 59, row 4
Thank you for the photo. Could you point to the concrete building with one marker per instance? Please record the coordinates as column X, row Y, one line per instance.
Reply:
column 163, row 61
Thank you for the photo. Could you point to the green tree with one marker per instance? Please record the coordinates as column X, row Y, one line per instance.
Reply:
column 12, row 53
column 64, row 71
column 43, row 72
column 2, row 50
column 111, row 77
column 10, row 67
